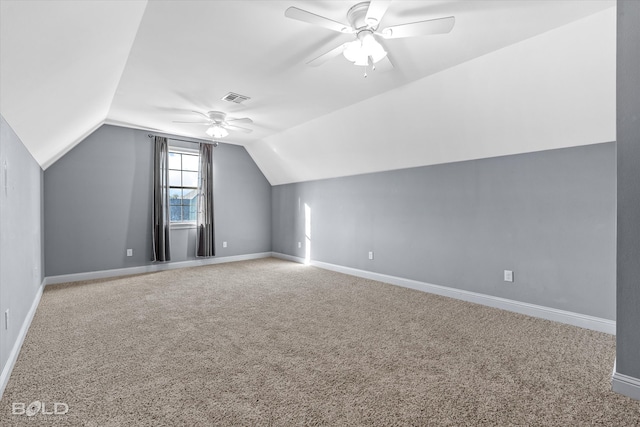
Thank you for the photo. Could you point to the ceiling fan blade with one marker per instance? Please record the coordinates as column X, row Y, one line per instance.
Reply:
column 202, row 114
column 420, row 28
column 312, row 18
column 327, row 56
column 232, row 127
column 197, row 123
column 377, row 9
column 239, row 119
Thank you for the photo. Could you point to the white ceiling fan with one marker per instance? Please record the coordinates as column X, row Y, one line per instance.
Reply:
column 364, row 19
column 220, row 124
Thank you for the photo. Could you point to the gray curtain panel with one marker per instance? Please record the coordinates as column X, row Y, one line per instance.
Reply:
column 160, row 214
column 205, row 244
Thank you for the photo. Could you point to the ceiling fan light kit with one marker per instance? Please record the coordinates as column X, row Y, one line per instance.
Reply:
column 217, row 132
column 365, row 50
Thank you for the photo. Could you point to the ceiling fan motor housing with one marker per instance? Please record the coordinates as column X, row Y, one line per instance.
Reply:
column 357, row 17
column 217, row 116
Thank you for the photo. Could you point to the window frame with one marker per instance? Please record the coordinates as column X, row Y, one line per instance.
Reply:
column 192, row 152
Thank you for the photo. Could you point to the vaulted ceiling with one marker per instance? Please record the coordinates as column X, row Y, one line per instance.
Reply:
column 512, row 76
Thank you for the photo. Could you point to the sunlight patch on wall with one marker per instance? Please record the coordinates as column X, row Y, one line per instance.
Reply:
column 307, row 234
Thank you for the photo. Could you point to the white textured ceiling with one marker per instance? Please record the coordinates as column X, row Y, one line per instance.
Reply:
column 69, row 66
column 60, row 64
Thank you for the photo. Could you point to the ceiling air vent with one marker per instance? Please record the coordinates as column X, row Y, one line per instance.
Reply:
column 235, row 97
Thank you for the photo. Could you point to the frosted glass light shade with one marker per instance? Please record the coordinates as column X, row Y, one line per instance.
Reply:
column 359, row 51
column 217, row 132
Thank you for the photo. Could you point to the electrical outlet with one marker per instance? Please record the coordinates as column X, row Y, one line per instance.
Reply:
column 508, row 276
column 299, row 245
column 224, row 244
column 129, row 252
column 370, row 254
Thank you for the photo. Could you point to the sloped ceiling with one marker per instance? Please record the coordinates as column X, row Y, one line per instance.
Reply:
column 512, row 76
column 550, row 91
column 61, row 62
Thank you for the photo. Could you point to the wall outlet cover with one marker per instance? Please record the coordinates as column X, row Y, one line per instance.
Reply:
column 508, row 276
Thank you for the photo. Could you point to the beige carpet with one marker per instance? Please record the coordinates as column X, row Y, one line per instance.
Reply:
column 269, row 342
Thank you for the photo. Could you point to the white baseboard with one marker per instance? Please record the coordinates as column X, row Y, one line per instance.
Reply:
column 562, row 316
column 103, row 274
column 289, row 257
column 624, row 384
column 17, row 345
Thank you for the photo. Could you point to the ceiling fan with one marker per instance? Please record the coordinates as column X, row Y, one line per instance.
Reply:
column 364, row 19
column 220, row 124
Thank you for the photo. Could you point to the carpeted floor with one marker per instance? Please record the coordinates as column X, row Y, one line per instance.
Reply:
column 269, row 342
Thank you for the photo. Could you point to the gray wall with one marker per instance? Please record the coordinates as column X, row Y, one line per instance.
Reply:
column 97, row 203
column 21, row 249
column 628, row 136
column 548, row 216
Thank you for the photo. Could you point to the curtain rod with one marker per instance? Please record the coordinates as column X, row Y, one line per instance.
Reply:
column 214, row 143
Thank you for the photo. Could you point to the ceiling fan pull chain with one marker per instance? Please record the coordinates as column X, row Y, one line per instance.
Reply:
column 367, row 66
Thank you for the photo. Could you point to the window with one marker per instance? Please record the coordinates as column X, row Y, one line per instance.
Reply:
column 183, row 186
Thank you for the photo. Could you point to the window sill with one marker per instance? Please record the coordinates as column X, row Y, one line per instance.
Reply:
column 183, row 225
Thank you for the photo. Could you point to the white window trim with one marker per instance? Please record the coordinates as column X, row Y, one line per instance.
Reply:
column 182, row 225
column 182, row 150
